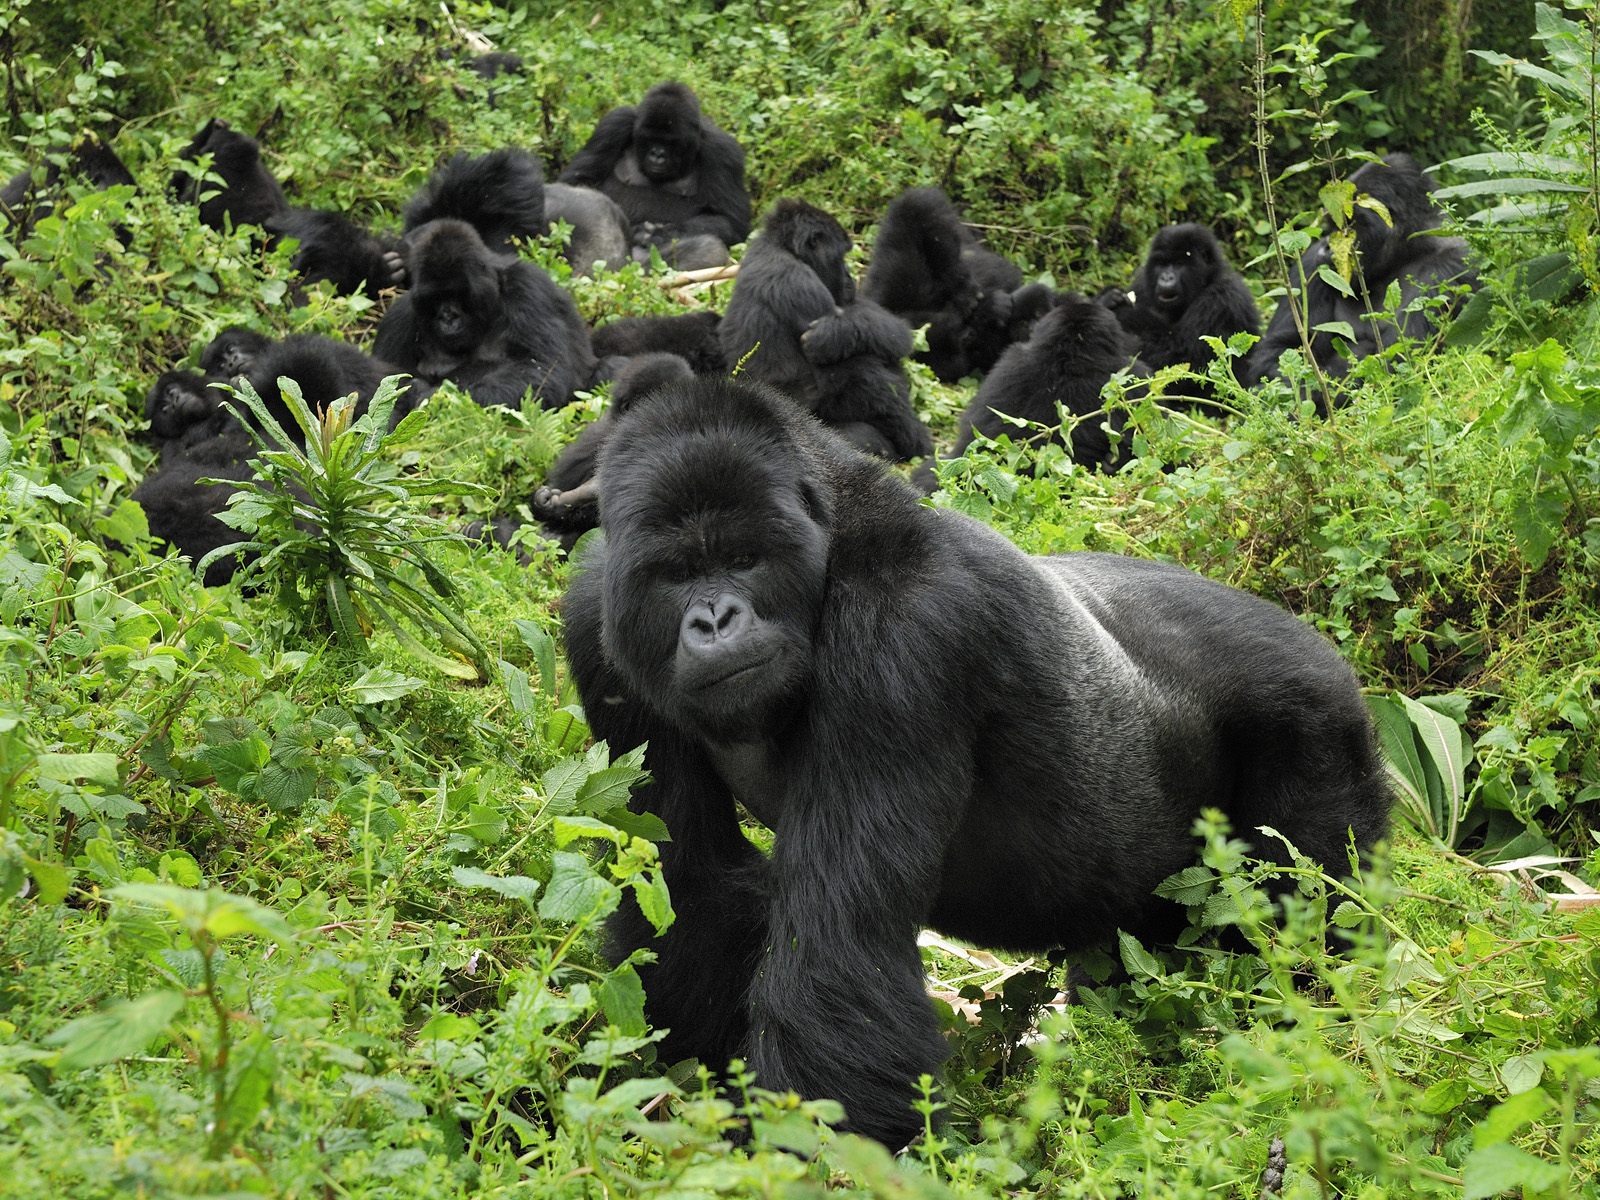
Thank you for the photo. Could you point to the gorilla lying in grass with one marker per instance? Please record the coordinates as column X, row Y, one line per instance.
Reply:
column 939, row 729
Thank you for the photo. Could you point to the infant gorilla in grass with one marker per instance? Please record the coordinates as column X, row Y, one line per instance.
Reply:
column 939, row 729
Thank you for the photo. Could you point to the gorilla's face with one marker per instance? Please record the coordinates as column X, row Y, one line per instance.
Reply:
column 178, row 402
column 716, row 559
column 1182, row 262
column 666, row 135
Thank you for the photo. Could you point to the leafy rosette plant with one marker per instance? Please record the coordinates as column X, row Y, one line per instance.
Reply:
column 340, row 536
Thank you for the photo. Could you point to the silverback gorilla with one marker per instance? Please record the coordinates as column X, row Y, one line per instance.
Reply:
column 938, row 728
column 678, row 177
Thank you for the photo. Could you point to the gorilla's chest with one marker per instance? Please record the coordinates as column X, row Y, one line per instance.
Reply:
column 749, row 771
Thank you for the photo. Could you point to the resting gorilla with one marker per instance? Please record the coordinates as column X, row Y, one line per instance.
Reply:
column 493, row 324
column 1074, row 350
column 929, row 268
column 679, row 178
column 1402, row 252
column 185, row 408
column 692, row 336
column 938, row 729
column 200, row 438
column 331, row 246
column 503, row 196
column 1185, row 291
column 794, row 312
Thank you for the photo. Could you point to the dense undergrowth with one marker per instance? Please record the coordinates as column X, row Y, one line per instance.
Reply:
column 279, row 915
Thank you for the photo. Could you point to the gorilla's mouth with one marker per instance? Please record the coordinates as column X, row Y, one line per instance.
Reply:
column 1168, row 295
column 738, row 672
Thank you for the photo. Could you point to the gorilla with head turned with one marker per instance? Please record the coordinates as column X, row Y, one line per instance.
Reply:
column 1394, row 219
column 938, row 728
column 678, row 177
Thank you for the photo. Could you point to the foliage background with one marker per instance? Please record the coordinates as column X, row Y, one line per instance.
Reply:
column 280, row 917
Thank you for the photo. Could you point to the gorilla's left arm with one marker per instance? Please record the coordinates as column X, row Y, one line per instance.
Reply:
column 725, row 203
column 861, row 327
column 1444, row 266
column 399, row 336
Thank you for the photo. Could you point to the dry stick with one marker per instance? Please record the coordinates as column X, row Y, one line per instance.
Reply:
column 1295, row 303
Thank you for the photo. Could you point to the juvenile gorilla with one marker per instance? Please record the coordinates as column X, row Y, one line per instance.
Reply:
column 678, row 177
column 794, row 312
column 331, row 246
column 199, row 437
column 503, row 196
column 1074, row 350
column 1398, row 250
column 929, row 268
column 185, row 408
column 1184, row 292
column 493, row 324
column 939, row 729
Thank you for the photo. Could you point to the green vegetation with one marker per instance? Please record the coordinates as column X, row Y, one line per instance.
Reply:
column 300, row 881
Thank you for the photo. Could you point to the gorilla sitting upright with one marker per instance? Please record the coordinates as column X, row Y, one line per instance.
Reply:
column 1185, row 292
column 929, row 267
column 939, row 730
column 678, row 177
column 493, row 324
column 795, row 322
column 1396, row 246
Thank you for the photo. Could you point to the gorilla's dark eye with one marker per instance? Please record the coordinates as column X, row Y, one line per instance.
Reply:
column 742, row 562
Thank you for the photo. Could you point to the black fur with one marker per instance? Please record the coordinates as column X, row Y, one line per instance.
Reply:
column 692, row 337
column 929, row 267
column 568, row 503
column 939, row 729
column 248, row 193
column 1403, row 252
column 26, row 200
column 500, row 194
column 679, row 178
column 491, row 323
column 794, row 305
column 1074, row 350
column 1186, row 291
column 331, row 247
column 233, row 351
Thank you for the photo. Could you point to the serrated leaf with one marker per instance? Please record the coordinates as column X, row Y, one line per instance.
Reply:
column 1136, row 958
column 380, row 683
column 1494, row 1170
column 1189, row 886
column 121, row 1028
column 650, row 893
column 621, row 997
column 71, row 768
column 567, row 829
column 1443, row 1095
column 575, row 891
